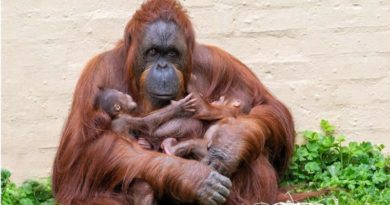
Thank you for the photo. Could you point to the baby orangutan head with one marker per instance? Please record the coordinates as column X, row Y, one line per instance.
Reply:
column 114, row 102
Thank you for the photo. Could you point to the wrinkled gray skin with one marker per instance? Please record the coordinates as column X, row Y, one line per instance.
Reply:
column 162, row 49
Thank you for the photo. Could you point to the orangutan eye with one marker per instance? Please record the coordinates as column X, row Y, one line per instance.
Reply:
column 152, row 52
column 117, row 107
column 172, row 53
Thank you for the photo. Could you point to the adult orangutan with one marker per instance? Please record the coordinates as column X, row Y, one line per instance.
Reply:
column 153, row 64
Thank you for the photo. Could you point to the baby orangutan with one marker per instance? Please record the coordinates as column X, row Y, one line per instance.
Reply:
column 114, row 102
column 120, row 106
column 197, row 148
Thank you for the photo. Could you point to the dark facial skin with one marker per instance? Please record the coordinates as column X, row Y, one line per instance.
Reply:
column 162, row 62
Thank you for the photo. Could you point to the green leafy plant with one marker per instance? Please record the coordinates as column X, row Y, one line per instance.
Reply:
column 31, row 192
column 356, row 173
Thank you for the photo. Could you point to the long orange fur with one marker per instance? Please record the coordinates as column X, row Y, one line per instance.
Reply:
column 94, row 166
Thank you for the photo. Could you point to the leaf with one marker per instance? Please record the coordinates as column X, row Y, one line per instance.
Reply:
column 386, row 194
column 26, row 202
column 310, row 136
column 333, row 170
column 340, row 139
column 312, row 147
column 312, row 167
column 27, row 188
column 327, row 142
column 380, row 177
column 327, row 127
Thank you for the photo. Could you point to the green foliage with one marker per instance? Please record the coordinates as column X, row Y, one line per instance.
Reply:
column 357, row 173
column 31, row 192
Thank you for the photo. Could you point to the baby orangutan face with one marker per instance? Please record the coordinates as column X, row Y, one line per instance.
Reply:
column 115, row 102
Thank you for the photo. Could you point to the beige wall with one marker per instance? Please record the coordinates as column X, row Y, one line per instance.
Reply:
column 324, row 60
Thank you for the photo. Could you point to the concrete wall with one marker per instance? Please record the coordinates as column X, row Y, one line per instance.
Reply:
column 324, row 59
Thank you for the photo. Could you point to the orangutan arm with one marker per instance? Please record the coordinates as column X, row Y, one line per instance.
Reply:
column 264, row 126
column 243, row 139
column 150, row 122
column 122, row 159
